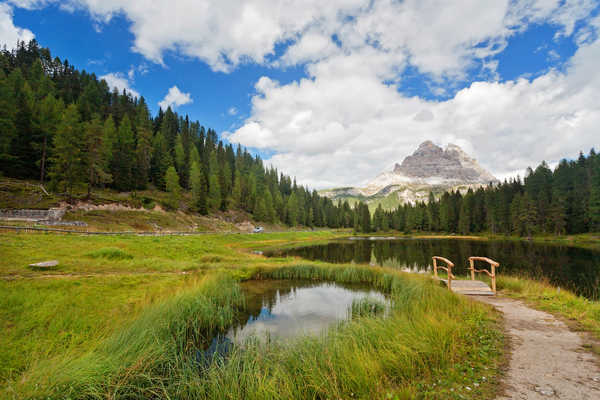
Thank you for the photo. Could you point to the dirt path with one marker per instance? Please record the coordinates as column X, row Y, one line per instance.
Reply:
column 548, row 360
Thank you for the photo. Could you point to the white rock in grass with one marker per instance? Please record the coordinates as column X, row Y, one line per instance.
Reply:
column 45, row 264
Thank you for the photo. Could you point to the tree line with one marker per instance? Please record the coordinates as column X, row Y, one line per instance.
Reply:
column 565, row 200
column 66, row 127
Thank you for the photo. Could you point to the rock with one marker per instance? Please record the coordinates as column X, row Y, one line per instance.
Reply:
column 544, row 390
column 45, row 264
column 429, row 168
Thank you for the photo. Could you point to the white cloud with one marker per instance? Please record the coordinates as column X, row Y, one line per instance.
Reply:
column 344, row 128
column 9, row 33
column 232, row 111
column 438, row 37
column 119, row 81
column 175, row 98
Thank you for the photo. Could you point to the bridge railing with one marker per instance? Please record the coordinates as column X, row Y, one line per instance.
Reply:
column 491, row 273
column 447, row 268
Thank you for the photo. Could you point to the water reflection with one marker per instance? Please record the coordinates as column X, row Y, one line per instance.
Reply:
column 574, row 268
column 283, row 309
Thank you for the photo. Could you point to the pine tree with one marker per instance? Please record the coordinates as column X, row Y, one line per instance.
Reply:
column 68, row 160
column 236, row 194
column 292, row 210
column 594, row 203
column 557, row 215
column 161, row 160
column 173, row 188
column 144, row 147
column 214, row 192
column 49, row 115
column 123, row 156
column 260, row 212
column 198, row 186
column 96, row 162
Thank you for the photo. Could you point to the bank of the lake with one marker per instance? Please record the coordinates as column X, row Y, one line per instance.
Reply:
column 121, row 317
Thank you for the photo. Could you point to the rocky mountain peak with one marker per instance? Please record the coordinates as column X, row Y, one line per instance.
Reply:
column 430, row 168
column 431, row 162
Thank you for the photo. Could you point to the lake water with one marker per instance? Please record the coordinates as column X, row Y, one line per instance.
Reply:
column 574, row 268
column 281, row 309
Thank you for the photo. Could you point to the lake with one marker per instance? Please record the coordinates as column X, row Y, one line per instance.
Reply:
column 577, row 269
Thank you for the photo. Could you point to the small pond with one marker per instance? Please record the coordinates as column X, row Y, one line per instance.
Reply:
column 574, row 268
column 281, row 309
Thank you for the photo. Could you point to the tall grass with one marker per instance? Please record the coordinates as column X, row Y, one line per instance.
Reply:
column 431, row 343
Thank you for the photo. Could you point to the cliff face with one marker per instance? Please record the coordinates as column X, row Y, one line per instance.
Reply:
column 452, row 164
column 429, row 169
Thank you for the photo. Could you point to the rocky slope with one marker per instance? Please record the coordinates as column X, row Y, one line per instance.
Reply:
column 429, row 169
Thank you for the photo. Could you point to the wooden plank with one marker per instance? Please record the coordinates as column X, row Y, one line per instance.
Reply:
column 468, row 287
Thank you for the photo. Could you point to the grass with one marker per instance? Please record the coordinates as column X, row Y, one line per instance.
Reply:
column 122, row 317
column 433, row 343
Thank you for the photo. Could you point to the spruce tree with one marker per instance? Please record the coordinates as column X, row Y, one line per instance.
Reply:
column 98, row 172
column 198, row 186
column 214, row 192
column 69, row 158
column 123, row 156
column 173, row 188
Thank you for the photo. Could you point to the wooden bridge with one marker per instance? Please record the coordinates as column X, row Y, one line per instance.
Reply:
column 467, row 287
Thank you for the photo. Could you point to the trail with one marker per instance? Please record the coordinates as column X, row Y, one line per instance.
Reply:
column 548, row 360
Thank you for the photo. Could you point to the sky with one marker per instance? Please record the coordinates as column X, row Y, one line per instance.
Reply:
column 336, row 92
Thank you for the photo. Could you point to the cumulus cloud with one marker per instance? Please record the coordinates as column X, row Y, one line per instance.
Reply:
column 343, row 129
column 120, row 81
column 436, row 36
column 175, row 98
column 9, row 33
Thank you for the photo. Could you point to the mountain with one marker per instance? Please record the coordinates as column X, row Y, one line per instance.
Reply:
column 429, row 169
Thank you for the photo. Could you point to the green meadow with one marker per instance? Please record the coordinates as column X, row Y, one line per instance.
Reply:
column 124, row 317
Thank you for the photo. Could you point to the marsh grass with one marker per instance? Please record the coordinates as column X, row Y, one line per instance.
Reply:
column 110, row 253
column 432, row 342
column 366, row 307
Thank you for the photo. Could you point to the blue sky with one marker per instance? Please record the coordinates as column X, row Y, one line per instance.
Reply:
column 336, row 93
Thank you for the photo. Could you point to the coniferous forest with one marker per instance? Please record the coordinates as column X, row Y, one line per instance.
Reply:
column 563, row 201
column 66, row 128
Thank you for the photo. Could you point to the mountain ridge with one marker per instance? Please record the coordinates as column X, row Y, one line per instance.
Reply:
column 430, row 168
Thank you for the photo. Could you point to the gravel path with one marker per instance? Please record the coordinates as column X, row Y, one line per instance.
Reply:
column 548, row 360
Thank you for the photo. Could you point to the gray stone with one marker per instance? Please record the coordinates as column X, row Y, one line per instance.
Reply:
column 45, row 264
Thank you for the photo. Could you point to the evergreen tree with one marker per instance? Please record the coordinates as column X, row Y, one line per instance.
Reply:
column 173, row 188
column 214, row 192
column 68, row 160
column 198, row 186
column 96, row 162
column 123, row 156
column 292, row 209
column 594, row 203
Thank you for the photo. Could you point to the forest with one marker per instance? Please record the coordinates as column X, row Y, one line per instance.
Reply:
column 67, row 128
column 565, row 200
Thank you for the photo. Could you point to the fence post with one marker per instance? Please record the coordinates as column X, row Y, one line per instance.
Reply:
column 435, row 268
column 472, row 264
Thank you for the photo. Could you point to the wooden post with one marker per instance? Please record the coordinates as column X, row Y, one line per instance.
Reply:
column 472, row 264
column 435, row 268
column 494, row 279
column 449, row 278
